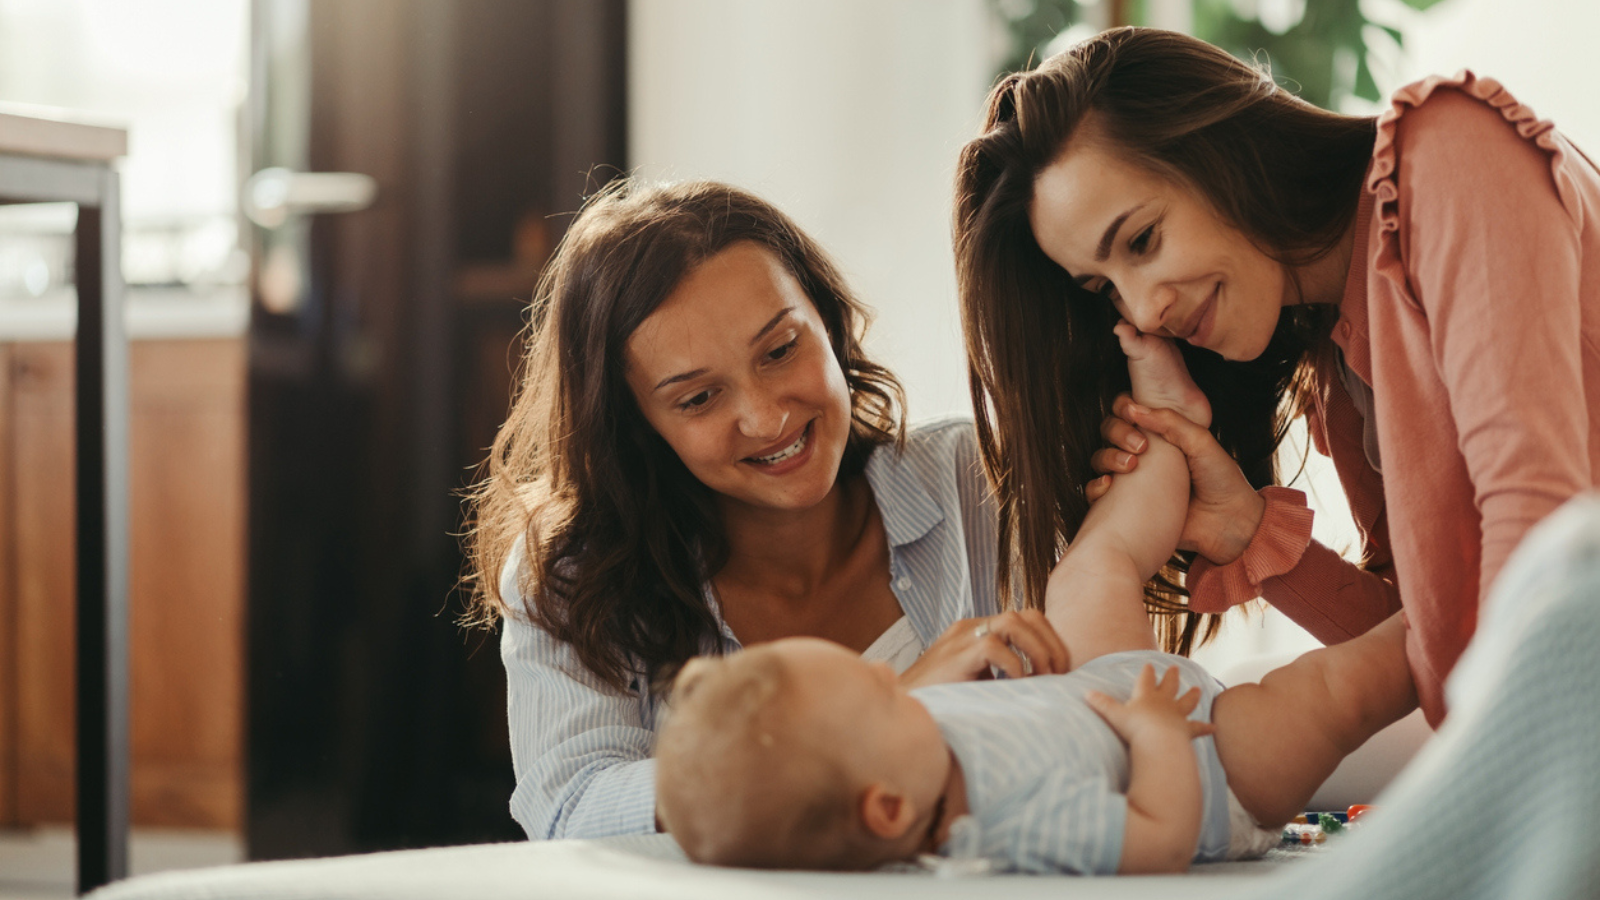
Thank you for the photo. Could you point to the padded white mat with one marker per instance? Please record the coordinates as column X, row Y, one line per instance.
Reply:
column 631, row 868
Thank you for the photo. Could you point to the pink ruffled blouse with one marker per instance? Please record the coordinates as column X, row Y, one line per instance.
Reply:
column 1471, row 317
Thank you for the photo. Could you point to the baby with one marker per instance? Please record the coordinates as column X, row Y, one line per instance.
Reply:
column 798, row 754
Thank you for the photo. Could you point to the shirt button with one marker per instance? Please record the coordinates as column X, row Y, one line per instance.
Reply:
column 903, row 583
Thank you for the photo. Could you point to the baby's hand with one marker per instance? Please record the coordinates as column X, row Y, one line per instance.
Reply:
column 1160, row 378
column 1153, row 707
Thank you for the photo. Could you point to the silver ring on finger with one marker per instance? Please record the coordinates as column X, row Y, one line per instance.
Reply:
column 981, row 632
column 1027, row 664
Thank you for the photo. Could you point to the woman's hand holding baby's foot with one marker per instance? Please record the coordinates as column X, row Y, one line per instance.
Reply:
column 1154, row 708
column 1160, row 378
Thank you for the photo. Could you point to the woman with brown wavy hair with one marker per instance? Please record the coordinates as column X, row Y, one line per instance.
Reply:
column 702, row 457
column 1424, row 286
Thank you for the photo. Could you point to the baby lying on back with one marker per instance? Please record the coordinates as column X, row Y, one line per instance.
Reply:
column 798, row 754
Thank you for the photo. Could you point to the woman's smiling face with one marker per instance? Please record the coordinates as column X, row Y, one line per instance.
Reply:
column 1156, row 250
column 735, row 371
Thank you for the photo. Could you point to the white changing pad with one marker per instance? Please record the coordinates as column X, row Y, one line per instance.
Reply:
column 635, row 867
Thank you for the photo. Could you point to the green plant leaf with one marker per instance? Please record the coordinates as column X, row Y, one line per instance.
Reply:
column 1312, row 57
column 1366, row 88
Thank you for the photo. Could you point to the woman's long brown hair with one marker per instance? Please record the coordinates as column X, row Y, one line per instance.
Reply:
column 620, row 538
column 1043, row 365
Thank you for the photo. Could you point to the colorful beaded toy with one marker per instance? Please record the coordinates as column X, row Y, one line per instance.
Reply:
column 1314, row 827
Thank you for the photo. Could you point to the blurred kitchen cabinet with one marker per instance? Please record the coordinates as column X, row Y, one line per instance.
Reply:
column 186, row 593
column 8, row 639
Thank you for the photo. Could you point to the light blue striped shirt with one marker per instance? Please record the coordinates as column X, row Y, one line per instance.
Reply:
column 582, row 752
column 1047, row 778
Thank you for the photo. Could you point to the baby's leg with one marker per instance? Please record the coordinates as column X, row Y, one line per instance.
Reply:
column 1095, row 596
column 1160, row 379
column 1280, row 739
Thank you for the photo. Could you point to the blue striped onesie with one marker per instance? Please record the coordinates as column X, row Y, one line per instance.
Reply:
column 1046, row 775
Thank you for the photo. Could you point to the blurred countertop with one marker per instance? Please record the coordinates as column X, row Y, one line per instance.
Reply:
column 151, row 313
column 30, row 130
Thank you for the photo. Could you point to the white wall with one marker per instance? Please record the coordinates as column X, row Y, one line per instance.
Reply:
column 1543, row 51
column 848, row 115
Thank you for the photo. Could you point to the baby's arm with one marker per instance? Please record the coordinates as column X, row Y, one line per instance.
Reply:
column 1095, row 595
column 1164, row 793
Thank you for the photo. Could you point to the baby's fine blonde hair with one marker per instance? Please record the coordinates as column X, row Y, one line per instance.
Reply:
column 743, row 776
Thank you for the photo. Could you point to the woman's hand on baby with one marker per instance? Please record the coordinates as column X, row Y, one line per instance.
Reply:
column 1153, row 707
column 1224, row 510
column 1018, row 643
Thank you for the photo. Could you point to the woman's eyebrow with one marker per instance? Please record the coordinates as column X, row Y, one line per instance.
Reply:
column 681, row 376
column 1103, row 252
column 772, row 323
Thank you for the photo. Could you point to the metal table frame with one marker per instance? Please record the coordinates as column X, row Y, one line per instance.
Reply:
column 101, row 391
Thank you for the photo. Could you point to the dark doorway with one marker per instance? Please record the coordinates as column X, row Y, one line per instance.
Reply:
column 381, row 357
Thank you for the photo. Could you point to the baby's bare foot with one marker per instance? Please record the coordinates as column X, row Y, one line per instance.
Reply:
column 1160, row 379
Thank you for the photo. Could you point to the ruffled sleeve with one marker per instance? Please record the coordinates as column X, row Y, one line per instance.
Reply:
column 1277, row 546
column 1383, row 178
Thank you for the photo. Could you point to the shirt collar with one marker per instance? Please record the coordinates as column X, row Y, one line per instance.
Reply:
column 905, row 521
column 913, row 512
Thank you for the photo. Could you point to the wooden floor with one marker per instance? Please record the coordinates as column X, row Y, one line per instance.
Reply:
column 38, row 864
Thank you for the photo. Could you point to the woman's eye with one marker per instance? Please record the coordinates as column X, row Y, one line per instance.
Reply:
column 1141, row 241
column 783, row 351
column 695, row 402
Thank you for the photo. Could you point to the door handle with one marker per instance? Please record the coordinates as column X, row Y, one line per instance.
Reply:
column 271, row 196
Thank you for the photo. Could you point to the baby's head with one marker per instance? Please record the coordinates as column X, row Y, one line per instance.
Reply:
column 797, row 754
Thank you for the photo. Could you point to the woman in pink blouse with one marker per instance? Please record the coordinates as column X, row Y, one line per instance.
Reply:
column 1424, row 286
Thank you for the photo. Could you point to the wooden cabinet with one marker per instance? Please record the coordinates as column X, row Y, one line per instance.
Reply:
column 186, row 571
column 8, row 619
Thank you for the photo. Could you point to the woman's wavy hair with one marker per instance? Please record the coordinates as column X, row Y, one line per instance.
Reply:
column 619, row 537
column 1043, row 364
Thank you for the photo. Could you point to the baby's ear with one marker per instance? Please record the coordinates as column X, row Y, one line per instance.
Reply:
column 886, row 812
